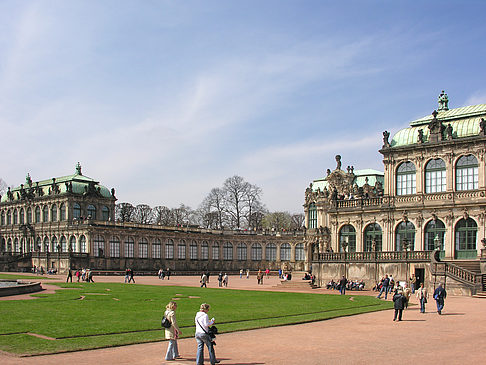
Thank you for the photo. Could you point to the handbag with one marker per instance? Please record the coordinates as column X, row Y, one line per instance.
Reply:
column 425, row 300
column 165, row 322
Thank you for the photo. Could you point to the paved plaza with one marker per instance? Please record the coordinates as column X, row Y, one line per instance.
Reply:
column 456, row 337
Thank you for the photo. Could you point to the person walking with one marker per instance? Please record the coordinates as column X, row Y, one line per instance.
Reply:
column 127, row 275
column 202, row 335
column 384, row 287
column 89, row 274
column 203, row 280
column 241, row 273
column 220, row 279
column 131, row 276
column 398, row 304
column 69, row 276
column 439, row 295
column 168, row 273
column 422, row 297
column 225, row 280
column 342, row 285
column 173, row 332
column 413, row 282
column 247, row 273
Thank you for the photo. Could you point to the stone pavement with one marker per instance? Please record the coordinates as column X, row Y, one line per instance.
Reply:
column 456, row 337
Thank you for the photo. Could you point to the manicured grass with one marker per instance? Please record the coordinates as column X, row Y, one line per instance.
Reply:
column 23, row 277
column 112, row 314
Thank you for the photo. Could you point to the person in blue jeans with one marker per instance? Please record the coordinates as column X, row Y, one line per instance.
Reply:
column 202, row 335
column 439, row 295
column 384, row 287
column 342, row 285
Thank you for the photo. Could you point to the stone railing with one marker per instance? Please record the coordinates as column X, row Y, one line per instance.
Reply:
column 379, row 256
column 463, row 275
column 362, row 202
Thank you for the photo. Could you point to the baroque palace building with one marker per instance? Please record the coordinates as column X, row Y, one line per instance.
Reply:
column 424, row 216
column 69, row 222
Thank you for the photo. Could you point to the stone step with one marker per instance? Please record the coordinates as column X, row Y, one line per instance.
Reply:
column 481, row 294
column 302, row 284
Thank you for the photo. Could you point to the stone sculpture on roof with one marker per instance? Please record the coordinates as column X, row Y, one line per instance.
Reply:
column 443, row 101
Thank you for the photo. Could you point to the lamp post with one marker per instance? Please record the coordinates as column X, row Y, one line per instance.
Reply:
column 373, row 248
column 344, row 245
column 405, row 245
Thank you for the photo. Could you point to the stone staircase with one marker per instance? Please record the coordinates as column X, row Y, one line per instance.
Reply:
column 297, row 284
column 470, row 265
column 465, row 274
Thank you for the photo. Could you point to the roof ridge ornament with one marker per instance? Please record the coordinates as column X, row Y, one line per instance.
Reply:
column 443, row 101
column 78, row 169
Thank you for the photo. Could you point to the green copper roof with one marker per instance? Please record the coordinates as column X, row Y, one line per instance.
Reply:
column 464, row 122
column 360, row 179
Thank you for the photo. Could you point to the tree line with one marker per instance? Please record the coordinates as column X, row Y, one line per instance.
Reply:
column 235, row 205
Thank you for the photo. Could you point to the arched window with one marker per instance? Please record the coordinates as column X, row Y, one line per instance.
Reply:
column 467, row 173
column 114, row 246
column 312, row 216
column 16, row 245
column 193, row 250
column 105, row 213
column 15, row 217
column 76, row 210
column 82, row 244
column 241, row 254
column 227, row 251
column 285, row 252
column 4, row 245
column 38, row 244
column 156, row 248
column 30, row 245
column 45, row 214
column 256, row 252
column 62, row 212
column 143, row 248
column 9, row 217
column 29, row 215
column 405, row 231
column 299, row 252
column 435, row 176
column 99, row 246
column 63, row 243
column 72, row 244
column 169, row 250
column 3, row 218
column 37, row 214
column 129, row 247
column 215, row 251
column 54, row 213
column 47, row 246
column 271, row 252
column 22, row 216
column 91, row 211
column 406, row 177
column 54, row 244
column 435, row 228
column 372, row 232
column 204, row 250
column 181, row 250
column 347, row 235
column 9, row 245
column 466, row 234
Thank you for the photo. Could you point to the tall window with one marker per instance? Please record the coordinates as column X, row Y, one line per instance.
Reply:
column 372, row 232
column 347, row 235
column 72, row 244
column 76, row 210
column 3, row 218
column 16, row 245
column 193, row 250
column 29, row 215
column 114, row 246
column 45, row 213
column 169, row 250
column 156, row 248
column 285, row 252
column 15, row 217
column 435, row 176
column 181, row 250
column 406, row 177
column 405, row 231
column 129, row 247
column 204, row 251
column 271, row 252
column 312, row 215
column 91, row 211
column 256, row 252
column 54, row 213
column 37, row 214
column 63, row 243
column 47, row 246
column 215, row 251
column 54, row 247
column 62, row 212
column 82, row 244
column 143, row 248
column 299, row 252
column 9, row 217
column 241, row 254
column 99, row 246
column 432, row 229
column 105, row 213
column 467, row 173
column 227, row 251
column 22, row 216
column 466, row 234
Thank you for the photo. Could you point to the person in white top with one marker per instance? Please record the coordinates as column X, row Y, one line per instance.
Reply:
column 202, row 335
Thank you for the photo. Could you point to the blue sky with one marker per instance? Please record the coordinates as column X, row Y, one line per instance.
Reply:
column 164, row 100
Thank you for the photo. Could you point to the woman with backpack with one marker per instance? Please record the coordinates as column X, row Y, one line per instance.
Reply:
column 172, row 333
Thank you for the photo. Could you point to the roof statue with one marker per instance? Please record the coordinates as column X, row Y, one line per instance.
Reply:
column 338, row 160
column 386, row 135
column 28, row 180
column 482, row 127
column 78, row 169
column 443, row 101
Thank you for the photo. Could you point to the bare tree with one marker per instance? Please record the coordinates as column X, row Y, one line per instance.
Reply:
column 278, row 221
column 163, row 216
column 124, row 212
column 181, row 215
column 252, row 202
column 143, row 214
column 213, row 206
column 235, row 189
column 297, row 221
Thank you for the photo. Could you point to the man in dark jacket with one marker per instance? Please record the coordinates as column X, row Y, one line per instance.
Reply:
column 398, row 304
column 384, row 287
column 439, row 295
column 342, row 285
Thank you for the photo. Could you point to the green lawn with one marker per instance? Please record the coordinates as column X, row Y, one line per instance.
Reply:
column 23, row 277
column 112, row 314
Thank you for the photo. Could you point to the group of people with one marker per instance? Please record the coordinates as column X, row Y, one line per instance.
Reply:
column 164, row 273
column 83, row 275
column 205, row 333
column 129, row 275
column 223, row 280
column 343, row 285
column 247, row 273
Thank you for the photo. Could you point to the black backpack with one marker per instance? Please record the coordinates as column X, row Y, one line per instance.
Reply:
column 165, row 322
